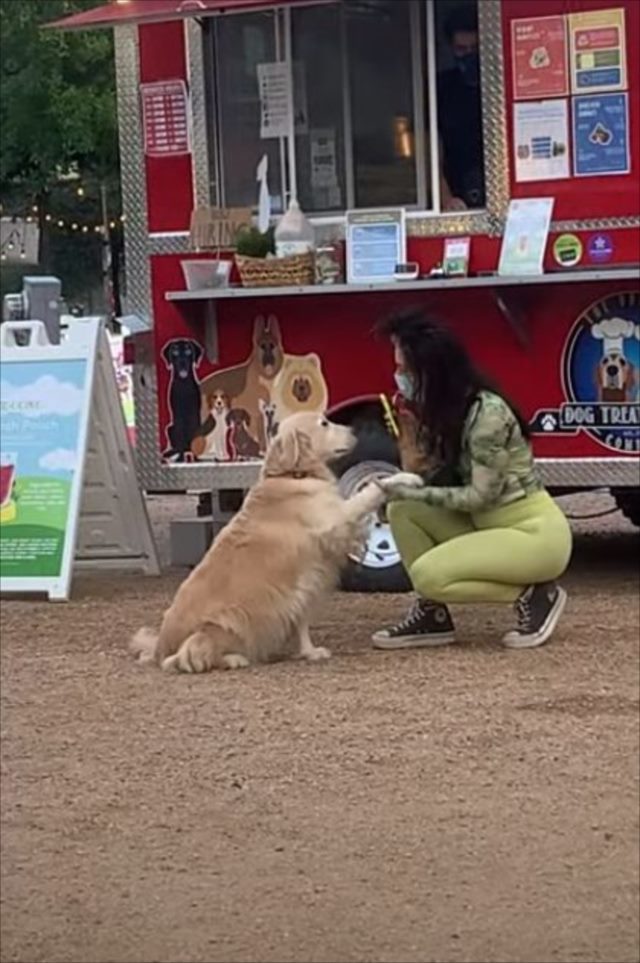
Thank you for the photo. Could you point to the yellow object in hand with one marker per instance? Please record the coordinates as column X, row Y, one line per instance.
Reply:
column 389, row 416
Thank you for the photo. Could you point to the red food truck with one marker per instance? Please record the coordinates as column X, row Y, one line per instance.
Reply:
column 445, row 110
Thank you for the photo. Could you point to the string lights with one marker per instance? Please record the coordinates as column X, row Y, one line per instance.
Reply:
column 15, row 242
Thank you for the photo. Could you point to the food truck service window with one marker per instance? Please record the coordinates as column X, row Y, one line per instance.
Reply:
column 386, row 99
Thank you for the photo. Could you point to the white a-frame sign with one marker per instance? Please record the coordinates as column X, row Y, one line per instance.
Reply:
column 69, row 496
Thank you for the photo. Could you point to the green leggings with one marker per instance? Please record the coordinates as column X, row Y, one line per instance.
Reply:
column 488, row 557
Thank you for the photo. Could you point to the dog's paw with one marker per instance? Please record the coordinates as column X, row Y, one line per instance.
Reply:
column 235, row 661
column 196, row 654
column 317, row 653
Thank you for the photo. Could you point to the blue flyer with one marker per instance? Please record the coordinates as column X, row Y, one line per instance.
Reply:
column 601, row 135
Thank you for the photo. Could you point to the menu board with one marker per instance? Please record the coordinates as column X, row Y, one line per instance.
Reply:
column 376, row 243
column 539, row 57
column 165, row 117
column 598, row 51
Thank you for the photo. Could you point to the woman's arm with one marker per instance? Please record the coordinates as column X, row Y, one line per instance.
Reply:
column 488, row 448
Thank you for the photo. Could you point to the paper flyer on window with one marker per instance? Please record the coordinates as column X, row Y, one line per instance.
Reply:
column 539, row 57
column 598, row 51
column 541, row 140
column 275, row 100
column 601, row 135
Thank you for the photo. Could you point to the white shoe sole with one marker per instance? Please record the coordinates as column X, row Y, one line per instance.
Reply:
column 513, row 640
column 413, row 641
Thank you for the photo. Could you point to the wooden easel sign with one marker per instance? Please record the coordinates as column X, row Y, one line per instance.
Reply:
column 67, row 478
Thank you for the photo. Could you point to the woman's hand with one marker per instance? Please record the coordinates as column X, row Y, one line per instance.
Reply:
column 402, row 485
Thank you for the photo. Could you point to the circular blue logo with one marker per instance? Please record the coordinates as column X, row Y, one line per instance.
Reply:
column 600, row 248
column 601, row 372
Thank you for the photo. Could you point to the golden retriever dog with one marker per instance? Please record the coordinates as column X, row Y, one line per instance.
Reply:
column 254, row 594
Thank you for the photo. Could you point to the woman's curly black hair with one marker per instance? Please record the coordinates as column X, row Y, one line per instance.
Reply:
column 446, row 380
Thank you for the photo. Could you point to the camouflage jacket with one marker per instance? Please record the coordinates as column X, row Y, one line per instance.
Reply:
column 496, row 463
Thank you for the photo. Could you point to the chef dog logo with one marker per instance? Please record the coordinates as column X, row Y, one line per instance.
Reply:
column 601, row 376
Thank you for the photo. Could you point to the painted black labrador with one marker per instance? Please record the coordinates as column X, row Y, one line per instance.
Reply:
column 182, row 357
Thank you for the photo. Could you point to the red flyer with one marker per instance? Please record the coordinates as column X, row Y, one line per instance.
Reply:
column 165, row 112
column 539, row 55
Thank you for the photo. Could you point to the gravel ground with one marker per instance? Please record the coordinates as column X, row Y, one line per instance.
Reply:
column 467, row 804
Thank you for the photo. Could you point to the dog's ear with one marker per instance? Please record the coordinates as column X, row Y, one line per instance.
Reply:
column 272, row 328
column 288, row 453
column 165, row 353
column 197, row 351
column 259, row 327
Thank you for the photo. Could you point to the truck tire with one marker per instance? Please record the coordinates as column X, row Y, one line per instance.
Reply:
column 380, row 568
column 628, row 501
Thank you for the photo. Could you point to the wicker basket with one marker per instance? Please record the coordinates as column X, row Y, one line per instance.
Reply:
column 276, row 272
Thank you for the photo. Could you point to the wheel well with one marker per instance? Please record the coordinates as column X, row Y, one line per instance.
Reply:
column 366, row 412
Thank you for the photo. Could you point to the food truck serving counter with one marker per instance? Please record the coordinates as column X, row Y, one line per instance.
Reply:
column 445, row 110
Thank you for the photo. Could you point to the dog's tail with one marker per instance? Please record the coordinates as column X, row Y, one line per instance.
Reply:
column 143, row 645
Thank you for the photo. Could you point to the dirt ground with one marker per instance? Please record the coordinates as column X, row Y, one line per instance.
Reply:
column 467, row 804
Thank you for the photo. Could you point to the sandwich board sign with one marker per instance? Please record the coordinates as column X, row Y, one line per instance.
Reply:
column 69, row 495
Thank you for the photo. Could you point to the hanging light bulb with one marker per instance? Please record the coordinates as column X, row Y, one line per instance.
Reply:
column 85, row 229
column 60, row 223
column 80, row 192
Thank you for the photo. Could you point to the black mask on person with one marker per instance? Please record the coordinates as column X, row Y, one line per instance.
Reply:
column 469, row 66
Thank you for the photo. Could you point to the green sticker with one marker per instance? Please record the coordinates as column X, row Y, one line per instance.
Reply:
column 567, row 250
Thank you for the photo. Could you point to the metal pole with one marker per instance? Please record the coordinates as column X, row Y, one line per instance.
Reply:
column 432, row 89
column 291, row 138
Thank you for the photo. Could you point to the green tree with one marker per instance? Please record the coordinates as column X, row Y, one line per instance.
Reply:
column 58, row 125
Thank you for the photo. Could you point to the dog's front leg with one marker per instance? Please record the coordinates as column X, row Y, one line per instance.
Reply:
column 309, row 651
column 364, row 502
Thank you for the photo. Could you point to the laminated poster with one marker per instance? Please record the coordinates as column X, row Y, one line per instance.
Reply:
column 601, row 135
column 598, row 51
column 539, row 57
column 541, row 140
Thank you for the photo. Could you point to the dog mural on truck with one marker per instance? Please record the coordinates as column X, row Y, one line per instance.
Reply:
column 232, row 414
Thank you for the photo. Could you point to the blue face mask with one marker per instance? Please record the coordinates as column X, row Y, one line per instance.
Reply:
column 469, row 67
column 405, row 385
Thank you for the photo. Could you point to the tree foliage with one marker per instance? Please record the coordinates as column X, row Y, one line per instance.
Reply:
column 57, row 109
column 58, row 131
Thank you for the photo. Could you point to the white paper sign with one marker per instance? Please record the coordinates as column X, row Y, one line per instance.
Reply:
column 275, row 100
column 525, row 236
column 541, row 140
column 376, row 243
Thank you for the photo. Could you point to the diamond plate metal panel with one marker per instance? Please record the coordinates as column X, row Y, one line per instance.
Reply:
column 496, row 151
column 134, row 193
column 598, row 224
column 168, row 244
column 590, row 472
column 194, row 38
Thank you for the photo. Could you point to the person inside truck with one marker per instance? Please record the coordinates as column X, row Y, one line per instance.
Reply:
column 478, row 526
column 460, row 115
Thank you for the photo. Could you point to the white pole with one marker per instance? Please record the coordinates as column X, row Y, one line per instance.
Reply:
column 432, row 88
column 291, row 139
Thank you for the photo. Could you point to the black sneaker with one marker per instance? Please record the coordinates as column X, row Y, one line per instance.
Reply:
column 426, row 624
column 539, row 609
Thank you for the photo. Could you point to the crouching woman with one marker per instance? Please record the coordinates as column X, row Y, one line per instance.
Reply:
column 478, row 526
